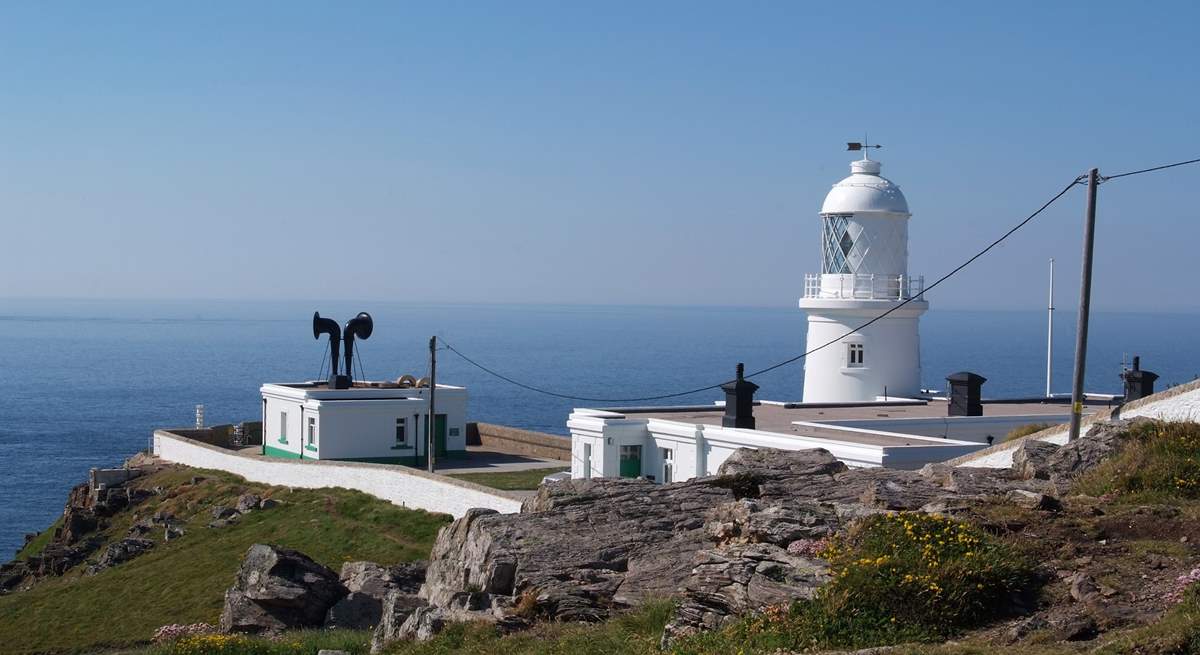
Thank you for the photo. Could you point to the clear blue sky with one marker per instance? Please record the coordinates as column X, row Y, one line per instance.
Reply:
column 665, row 153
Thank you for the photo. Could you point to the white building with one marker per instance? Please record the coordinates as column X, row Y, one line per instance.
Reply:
column 368, row 422
column 864, row 273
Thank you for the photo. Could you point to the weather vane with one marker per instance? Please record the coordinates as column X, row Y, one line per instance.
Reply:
column 864, row 146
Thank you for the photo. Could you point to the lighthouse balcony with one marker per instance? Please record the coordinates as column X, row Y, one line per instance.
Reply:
column 863, row 286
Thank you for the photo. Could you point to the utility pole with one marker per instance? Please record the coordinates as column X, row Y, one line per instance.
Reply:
column 431, row 421
column 1085, row 303
column 1050, row 332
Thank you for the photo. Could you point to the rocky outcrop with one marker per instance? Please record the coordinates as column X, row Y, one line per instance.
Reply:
column 582, row 548
column 728, row 581
column 369, row 585
column 276, row 589
column 119, row 553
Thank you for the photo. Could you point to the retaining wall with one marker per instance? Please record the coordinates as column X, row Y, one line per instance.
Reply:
column 519, row 442
column 401, row 485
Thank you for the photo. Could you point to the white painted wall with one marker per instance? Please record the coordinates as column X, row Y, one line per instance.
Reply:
column 360, row 423
column 700, row 450
column 399, row 485
column 964, row 428
column 892, row 351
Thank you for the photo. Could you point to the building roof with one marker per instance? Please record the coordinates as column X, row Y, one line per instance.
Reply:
column 865, row 191
column 778, row 417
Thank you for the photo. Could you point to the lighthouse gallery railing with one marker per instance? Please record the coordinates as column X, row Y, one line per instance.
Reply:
column 863, row 286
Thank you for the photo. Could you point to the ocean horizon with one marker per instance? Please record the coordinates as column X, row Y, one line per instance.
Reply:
column 88, row 381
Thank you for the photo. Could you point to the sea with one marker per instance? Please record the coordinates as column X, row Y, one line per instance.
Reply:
column 84, row 383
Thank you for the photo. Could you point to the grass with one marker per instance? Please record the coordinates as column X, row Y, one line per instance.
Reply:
column 183, row 581
column 299, row 642
column 900, row 578
column 1024, row 431
column 39, row 542
column 509, row 481
column 1160, row 464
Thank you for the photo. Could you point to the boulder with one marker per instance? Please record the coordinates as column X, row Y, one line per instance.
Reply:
column 423, row 624
column 1032, row 500
column 277, row 589
column 268, row 503
column 119, row 553
column 1029, row 459
column 728, row 581
column 1076, row 457
column 246, row 502
column 369, row 585
column 223, row 512
column 397, row 607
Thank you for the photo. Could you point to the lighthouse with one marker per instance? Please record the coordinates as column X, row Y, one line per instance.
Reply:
column 864, row 273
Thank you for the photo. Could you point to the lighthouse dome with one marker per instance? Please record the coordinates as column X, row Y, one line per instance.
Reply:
column 865, row 191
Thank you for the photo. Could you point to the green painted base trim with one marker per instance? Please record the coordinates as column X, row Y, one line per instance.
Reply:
column 282, row 440
column 311, row 448
column 272, row 451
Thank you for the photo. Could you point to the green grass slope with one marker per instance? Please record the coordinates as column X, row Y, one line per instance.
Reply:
column 184, row 580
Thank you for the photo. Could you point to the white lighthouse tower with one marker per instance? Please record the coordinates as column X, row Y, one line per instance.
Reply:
column 864, row 273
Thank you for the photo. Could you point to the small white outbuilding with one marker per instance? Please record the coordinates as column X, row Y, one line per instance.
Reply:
column 381, row 422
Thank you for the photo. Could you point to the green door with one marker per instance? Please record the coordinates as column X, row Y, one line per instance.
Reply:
column 439, row 435
column 631, row 461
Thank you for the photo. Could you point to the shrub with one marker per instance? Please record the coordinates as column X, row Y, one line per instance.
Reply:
column 896, row 578
column 1160, row 462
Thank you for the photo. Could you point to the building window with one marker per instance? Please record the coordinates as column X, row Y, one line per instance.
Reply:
column 401, row 435
column 587, row 461
column 282, row 427
column 312, row 431
column 668, row 457
column 854, row 355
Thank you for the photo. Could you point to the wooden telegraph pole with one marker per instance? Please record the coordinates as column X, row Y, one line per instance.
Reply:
column 1085, row 303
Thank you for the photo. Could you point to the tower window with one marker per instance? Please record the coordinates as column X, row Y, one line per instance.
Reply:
column 854, row 355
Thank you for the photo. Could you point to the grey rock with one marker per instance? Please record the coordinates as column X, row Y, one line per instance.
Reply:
column 728, row 581
column 1030, row 457
column 119, row 553
column 423, row 624
column 369, row 585
column 268, row 503
column 172, row 532
column 278, row 589
column 1032, row 500
column 221, row 523
column 397, row 607
column 246, row 502
column 1076, row 457
column 223, row 512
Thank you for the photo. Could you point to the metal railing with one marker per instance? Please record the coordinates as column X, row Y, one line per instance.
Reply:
column 863, row 286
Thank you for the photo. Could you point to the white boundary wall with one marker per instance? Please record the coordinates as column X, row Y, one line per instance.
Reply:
column 1181, row 403
column 400, row 485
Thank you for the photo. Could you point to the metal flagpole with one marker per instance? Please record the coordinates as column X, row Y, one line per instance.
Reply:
column 1085, row 303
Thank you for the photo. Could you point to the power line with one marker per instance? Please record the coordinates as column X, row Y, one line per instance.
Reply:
column 1105, row 178
column 785, row 362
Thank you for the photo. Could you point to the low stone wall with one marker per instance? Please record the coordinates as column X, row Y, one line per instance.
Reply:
column 519, row 442
column 404, row 486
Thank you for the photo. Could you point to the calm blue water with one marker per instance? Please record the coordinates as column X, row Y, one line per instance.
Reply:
column 85, row 383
